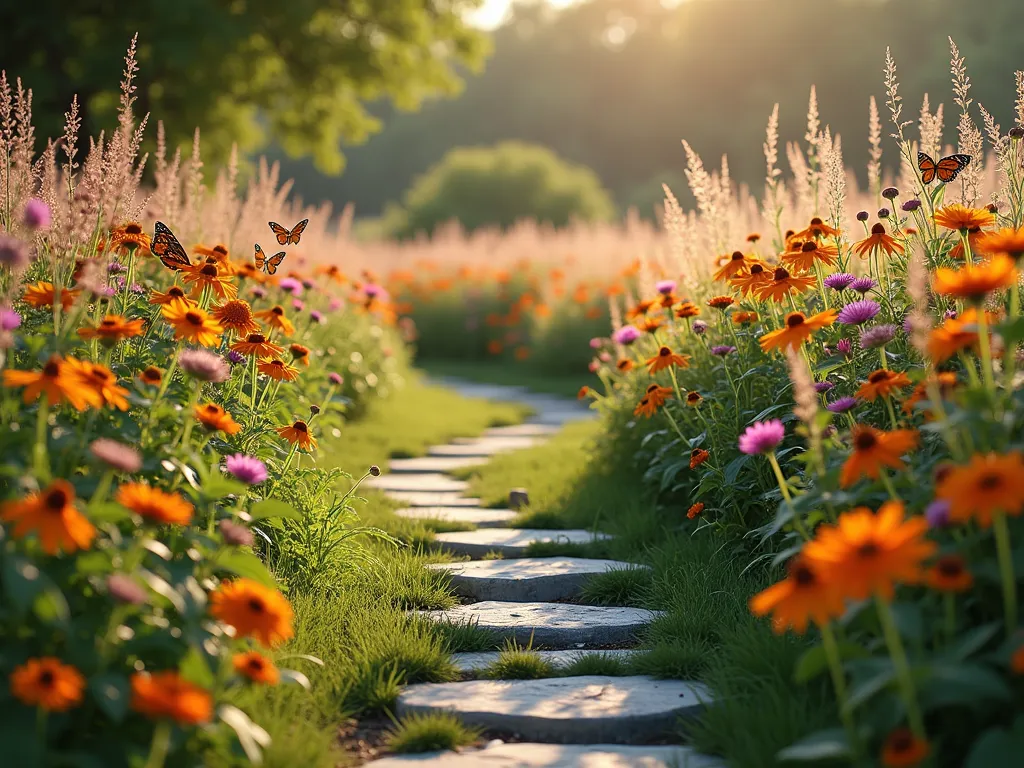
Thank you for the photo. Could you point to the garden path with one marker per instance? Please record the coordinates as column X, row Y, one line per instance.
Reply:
column 561, row 722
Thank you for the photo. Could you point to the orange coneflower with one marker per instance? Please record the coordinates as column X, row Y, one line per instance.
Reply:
column 946, row 382
column 962, row 219
column 219, row 252
column 694, row 510
column 809, row 254
column 736, row 263
column 744, row 318
column 902, row 749
column 192, row 323
column 651, row 324
column 646, row 407
column 882, row 383
column 878, row 240
column 640, row 309
column 112, row 329
column 583, row 393
column 47, row 683
column 253, row 610
column 749, row 282
column 50, row 514
column 275, row 318
column 974, row 282
column 687, row 309
column 278, row 370
column 698, row 456
column 41, row 294
column 800, row 598
column 867, row 553
column 215, row 418
column 59, row 381
column 301, row 354
column 161, row 695
column 625, row 365
column 874, row 449
column 949, row 574
column 796, row 329
column 721, row 302
column 954, row 334
column 129, row 237
column 298, row 434
column 171, row 295
column 154, row 504
column 151, row 375
column 987, row 485
column 666, row 358
column 209, row 276
column 236, row 317
column 248, row 271
column 658, row 394
column 782, row 285
column 817, row 229
column 257, row 667
column 103, row 381
column 256, row 345
column 958, row 251
column 693, row 399
column 1006, row 241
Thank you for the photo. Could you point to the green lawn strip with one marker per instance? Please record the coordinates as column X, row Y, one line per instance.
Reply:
column 512, row 374
column 356, row 623
column 584, row 479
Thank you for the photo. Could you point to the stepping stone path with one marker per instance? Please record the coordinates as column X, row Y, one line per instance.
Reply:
column 561, row 722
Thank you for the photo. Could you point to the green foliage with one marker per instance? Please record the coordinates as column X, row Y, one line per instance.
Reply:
column 497, row 186
column 518, row 663
column 430, row 732
column 622, row 586
column 300, row 74
column 597, row 663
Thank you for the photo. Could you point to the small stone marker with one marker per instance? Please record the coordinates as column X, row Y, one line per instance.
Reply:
column 518, row 498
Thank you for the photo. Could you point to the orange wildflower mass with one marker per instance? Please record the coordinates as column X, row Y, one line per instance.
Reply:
column 873, row 450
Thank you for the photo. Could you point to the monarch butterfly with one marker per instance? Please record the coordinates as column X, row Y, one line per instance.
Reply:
column 271, row 264
column 285, row 236
column 166, row 246
column 947, row 169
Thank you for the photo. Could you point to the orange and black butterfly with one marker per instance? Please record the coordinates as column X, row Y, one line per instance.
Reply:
column 286, row 236
column 947, row 169
column 271, row 264
column 166, row 246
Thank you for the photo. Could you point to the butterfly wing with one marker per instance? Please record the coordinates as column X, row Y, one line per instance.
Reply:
column 167, row 248
column 260, row 257
column 927, row 167
column 948, row 168
column 274, row 261
column 281, row 233
column 297, row 230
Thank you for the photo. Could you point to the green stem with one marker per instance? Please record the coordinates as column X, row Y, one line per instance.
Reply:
column 889, row 487
column 784, row 488
column 900, row 665
column 160, row 745
column 835, row 667
column 41, row 463
column 984, row 343
column 1006, row 573
column 950, row 617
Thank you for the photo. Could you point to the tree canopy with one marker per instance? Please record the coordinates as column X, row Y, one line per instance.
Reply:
column 297, row 72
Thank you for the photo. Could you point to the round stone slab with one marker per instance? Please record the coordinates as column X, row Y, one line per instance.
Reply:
column 551, row 625
column 478, row 516
column 432, row 499
column 475, row 662
column 529, row 579
column 500, row 755
column 432, row 482
column 511, row 542
column 568, row 710
column 432, row 464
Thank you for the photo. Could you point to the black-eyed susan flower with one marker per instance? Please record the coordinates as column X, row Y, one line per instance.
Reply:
column 694, row 510
column 987, row 485
column 873, row 450
column 215, row 418
column 902, row 749
column 51, row 514
column 253, row 610
column 59, row 381
column 749, row 282
column 974, row 282
column 151, row 375
column 796, row 329
column 782, row 285
column 816, row 230
column 278, row 370
column 809, row 254
column 1006, row 241
column 882, row 383
column 721, row 302
column 693, row 399
column 949, row 574
column 43, row 294
column 297, row 433
column 666, row 358
column 112, row 329
column 103, row 382
column 212, row 277
column 167, row 695
column 172, row 294
column 735, row 264
column 687, row 309
column 800, row 598
column 698, row 456
column 154, row 505
column 257, row 667
column 129, row 237
column 960, row 218
column 192, row 323
column 256, row 345
column 276, row 319
column 48, row 683
column 877, row 240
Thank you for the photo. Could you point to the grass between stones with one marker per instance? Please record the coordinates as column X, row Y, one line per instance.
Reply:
column 518, row 663
column 583, row 479
column 430, row 732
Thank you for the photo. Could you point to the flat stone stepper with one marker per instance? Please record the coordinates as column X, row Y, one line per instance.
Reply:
column 432, row 464
column 568, row 710
column 471, row 663
column 497, row 754
column 478, row 516
column 432, row 499
column 483, row 447
column 529, row 579
column 510, row 542
column 551, row 625
column 423, row 482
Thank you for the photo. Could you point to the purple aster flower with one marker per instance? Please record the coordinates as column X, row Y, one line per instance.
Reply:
column 665, row 287
column 877, row 336
column 258, row 292
column 595, row 343
column 840, row 281
column 125, row 589
column 911, row 205
column 373, row 290
column 858, row 312
column 863, row 284
column 291, row 285
column 908, row 324
column 316, row 316
column 121, row 283
column 890, row 193
column 884, row 213
column 335, row 304
column 821, row 387
column 298, row 305
column 722, row 350
column 9, row 319
column 235, row 534
column 950, row 314
column 699, row 327
column 36, row 215
column 116, row 268
column 308, row 284
column 116, row 455
column 844, row 347
column 762, row 437
column 203, row 365
column 335, row 378
column 842, row 404
column 138, row 289
column 234, row 358
column 248, row 469
column 626, row 335
column 937, row 513
column 14, row 254
column 863, row 216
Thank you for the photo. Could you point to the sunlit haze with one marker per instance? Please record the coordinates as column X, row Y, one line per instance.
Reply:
column 492, row 12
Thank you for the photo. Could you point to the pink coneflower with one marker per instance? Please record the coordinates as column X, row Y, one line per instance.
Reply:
column 335, row 304
column 842, row 404
column 858, row 312
column 374, row 291
column 937, row 513
column 844, row 347
column 595, row 343
column 36, row 215
column 248, row 469
column 840, row 281
column 116, row 268
column 762, row 437
column 316, row 316
column 626, row 335
column 125, row 589
column 14, row 254
column 116, row 455
column 235, row 534
column 335, row 378
column 291, row 285
column 9, row 319
column 877, row 336
column 699, row 327
column 258, row 292
column 722, row 350
column 665, row 287
column 203, row 365
column 298, row 305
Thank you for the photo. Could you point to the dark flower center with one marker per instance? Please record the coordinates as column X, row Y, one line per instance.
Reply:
column 901, row 741
column 221, row 249
column 652, row 389
column 193, row 318
column 802, row 575
column 210, row 270
column 868, row 549
column 132, row 229
column 664, row 352
column 693, row 397
column 877, row 229
column 645, row 401
column 212, row 409
column 176, row 292
column 816, row 221
column 300, row 426
column 277, row 363
column 757, row 269
column 781, row 274
column 990, row 481
column 109, row 323
column 277, row 311
column 950, row 566
column 737, row 256
column 865, row 440
column 794, row 320
column 878, row 376
column 51, row 369
column 46, row 678
column 256, row 338
column 256, row 605
column 56, row 500
column 255, row 664
column 809, row 246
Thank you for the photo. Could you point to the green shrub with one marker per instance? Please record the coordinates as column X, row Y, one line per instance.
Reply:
column 430, row 733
